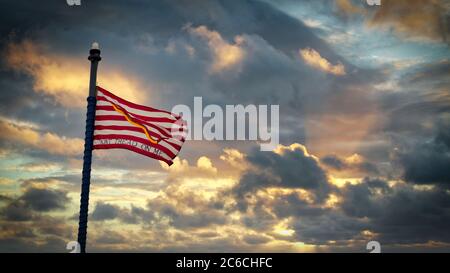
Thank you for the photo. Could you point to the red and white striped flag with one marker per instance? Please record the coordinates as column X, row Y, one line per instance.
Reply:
column 151, row 132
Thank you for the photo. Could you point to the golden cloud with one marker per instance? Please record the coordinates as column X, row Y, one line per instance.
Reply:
column 204, row 167
column 314, row 59
column 205, row 163
column 49, row 142
column 281, row 150
column 416, row 18
column 226, row 55
column 235, row 158
column 347, row 7
column 410, row 18
column 66, row 79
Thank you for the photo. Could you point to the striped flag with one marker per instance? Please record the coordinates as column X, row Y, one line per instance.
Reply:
column 145, row 130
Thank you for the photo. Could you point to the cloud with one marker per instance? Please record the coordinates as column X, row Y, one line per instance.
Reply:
column 32, row 201
column 17, row 211
column 348, row 7
column 436, row 73
column 410, row 19
column 105, row 212
column 426, row 162
column 66, row 79
column 134, row 215
column 205, row 163
column 256, row 239
column 399, row 214
column 45, row 199
column 176, row 207
column 226, row 55
column 415, row 18
column 355, row 164
column 313, row 58
column 181, row 168
column 289, row 167
column 32, row 138
column 234, row 158
column 334, row 162
column 373, row 209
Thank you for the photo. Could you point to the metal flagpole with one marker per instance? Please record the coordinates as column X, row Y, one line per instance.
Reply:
column 94, row 57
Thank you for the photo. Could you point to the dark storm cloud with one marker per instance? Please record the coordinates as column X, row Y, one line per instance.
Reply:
column 260, row 219
column 34, row 200
column 334, row 162
column 358, row 200
column 333, row 226
column 16, row 211
column 339, row 164
column 400, row 214
column 412, row 216
column 52, row 244
column 291, row 205
column 416, row 124
column 181, row 219
column 45, row 199
column 427, row 161
column 4, row 198
column 159, row 210
column 294, row 169
column 105, row 212
column 135, row 215
column 422, row 99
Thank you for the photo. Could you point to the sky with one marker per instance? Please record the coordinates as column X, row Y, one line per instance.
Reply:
column 364, row 99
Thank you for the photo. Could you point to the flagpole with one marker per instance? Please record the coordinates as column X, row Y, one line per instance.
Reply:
column 94, row 57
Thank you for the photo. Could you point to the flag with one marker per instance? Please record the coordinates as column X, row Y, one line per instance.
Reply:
column 145, row 130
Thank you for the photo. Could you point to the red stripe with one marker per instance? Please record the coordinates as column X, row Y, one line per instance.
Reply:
column 153, row 119
column 122, row 118
column 134, row 129
column 118, row 127
column 178, row 147
column 131, row 148
column 102, row 98
column 138, row 139
column 130, row 104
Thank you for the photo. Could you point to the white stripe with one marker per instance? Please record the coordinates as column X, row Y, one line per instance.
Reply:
column 113, row 122
column 150, row 128
column 173, row 140
column 166, row 125
column 126, row 123
column 162, row 154
column 136, row 134
column 133, row 110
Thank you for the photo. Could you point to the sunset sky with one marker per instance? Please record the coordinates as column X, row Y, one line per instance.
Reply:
column 364, row 97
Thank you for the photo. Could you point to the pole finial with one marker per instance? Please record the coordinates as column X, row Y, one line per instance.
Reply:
column 95, row 45
column 94, row 53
